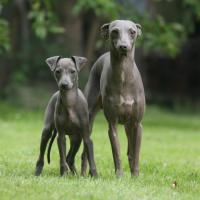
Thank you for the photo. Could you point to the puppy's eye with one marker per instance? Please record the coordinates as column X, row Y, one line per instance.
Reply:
column 73, row 71
column 57, row 71
column 115, row 33
column 132, row 32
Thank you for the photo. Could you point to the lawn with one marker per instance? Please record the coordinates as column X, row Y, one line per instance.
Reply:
column 170, row 153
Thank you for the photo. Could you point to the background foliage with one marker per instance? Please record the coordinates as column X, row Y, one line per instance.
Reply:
column 30, row 31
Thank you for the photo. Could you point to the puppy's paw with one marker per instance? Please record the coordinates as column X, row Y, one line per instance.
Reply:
column 93, row 173
column 39, row 168
column 119, row 173
column 64, row 169
column 73, row 169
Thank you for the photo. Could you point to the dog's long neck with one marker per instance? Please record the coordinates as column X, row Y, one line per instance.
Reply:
column 68, row 97
column 122, row 63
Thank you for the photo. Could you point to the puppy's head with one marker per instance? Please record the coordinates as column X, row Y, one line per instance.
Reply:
column 122, row 35
column 66, row 70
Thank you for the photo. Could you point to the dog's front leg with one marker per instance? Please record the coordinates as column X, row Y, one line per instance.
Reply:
column 134, row 135
column 88, row 146
column 136, row 141
column 61, row 141
column 83, row 162
column 75, row 142
column 115, row 148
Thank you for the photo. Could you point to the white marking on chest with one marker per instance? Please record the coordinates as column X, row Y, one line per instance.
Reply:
column 126, row 101
column 72, row 116
column 123, row 76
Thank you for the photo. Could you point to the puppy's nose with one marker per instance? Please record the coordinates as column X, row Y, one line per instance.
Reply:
column 64, row 85
column 123, row 47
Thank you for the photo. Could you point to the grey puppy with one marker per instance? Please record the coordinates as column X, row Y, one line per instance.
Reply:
column 116, row 86
column 67, row 112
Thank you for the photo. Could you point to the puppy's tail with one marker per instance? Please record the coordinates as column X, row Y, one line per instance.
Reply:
column 50, row 144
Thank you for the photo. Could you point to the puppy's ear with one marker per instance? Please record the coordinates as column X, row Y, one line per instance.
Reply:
column 52, row 62
column 139, row 29
column 79, row 62
column 105, row 31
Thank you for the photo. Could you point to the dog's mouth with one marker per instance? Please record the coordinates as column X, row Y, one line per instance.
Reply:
column 65, row 87
column 123, row 52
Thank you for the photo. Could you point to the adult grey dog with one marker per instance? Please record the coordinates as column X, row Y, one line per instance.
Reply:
column 116, row 86
column 67, row 112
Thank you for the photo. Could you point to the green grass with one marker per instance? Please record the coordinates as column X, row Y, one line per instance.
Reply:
column 170, row 152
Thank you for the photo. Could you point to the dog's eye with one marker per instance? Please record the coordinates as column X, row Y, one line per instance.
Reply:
column 115, row 33
column 57, row 71
column 73, row 71
column 132, row 32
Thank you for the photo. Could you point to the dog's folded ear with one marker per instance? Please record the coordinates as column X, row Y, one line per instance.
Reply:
column 139, row 29
column 105, row 31
column 79, row 62
column 52, row 62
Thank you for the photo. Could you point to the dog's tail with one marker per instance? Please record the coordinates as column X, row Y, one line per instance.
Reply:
column 50, row 144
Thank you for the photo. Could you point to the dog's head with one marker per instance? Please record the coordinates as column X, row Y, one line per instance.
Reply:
column 66, row 70
column 122, row 35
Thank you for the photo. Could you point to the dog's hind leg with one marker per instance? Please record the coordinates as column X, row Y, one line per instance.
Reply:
column 92, row 114
column 92, row 94
column 46, row 135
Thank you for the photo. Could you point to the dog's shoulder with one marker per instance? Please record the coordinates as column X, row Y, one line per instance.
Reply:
column 104, row 57
column 99, row 64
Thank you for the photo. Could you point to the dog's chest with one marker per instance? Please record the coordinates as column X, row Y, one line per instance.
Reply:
column 119, row 105
column 119, row 101
column 119, row 96
column 68, row 121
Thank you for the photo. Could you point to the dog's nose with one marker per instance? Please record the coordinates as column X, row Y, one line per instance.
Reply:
column 64, row 85
column 123, row 47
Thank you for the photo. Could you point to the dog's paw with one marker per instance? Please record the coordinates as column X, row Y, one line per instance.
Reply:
column 64, row 169
column 119, row 173
column 93, row 173
column 73, row 169
column 39, row 167
column 135, row 173
column 38, row 170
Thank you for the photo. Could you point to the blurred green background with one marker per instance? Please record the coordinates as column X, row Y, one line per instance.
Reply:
column 168, row 53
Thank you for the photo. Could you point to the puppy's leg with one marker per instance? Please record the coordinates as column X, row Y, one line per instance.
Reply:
column 46, row 134
column 61, row 141
column 90, row 154
column 88, row 146
column 75, row 142
column 83, row 161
